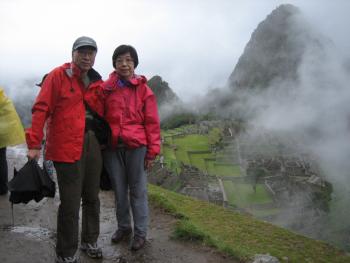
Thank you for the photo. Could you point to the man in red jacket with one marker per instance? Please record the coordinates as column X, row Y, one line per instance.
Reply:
column 68, row 104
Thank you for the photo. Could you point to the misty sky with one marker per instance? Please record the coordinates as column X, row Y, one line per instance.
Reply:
column 193, row 45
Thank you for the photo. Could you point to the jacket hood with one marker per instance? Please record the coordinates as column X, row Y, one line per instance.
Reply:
column 111, row 82
column 73, row 70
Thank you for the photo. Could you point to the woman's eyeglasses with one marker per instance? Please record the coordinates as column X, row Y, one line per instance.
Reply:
column 120, row 61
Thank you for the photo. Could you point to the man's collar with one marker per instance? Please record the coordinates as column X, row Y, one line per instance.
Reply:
column 74, row 70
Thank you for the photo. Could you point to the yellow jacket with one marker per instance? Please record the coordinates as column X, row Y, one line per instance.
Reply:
column 11, row 128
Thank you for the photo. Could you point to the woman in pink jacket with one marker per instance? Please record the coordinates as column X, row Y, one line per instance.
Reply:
column 131, row 111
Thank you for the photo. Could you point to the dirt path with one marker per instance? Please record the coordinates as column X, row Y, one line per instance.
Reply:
column 32, row 237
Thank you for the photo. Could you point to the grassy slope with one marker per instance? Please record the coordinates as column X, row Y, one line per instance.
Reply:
column 238, row 235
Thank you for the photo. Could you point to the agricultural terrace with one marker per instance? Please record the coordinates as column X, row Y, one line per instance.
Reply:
column 216, row 156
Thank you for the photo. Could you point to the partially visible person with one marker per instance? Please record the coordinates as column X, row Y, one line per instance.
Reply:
column 67, row 103
column 11, row 133
column 132, row 114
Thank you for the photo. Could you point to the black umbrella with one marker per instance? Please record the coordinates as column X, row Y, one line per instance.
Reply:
column 30, row 183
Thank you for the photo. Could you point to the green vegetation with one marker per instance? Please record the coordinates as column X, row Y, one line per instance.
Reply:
column 242, row 194
column 264, row 212
column 177, row 120
column 197, row 158
column 226, row 169
column 238, row 235
column 215, row 137
column 193, row 142
column 170, row 159
column 195, row 150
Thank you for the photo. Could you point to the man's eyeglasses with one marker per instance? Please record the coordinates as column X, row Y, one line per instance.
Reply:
column 86, row 52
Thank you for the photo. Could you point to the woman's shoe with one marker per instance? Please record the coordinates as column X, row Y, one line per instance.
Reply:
column 120, row 235
column 138, row 243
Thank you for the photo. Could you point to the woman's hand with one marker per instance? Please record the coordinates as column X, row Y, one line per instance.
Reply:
column 148, row 164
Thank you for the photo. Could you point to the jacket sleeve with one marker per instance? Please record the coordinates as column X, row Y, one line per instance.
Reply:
column 152, row 126
column 42, row 108
column 95, row 98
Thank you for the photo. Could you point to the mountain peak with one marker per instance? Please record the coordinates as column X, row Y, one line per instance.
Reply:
column 275, row 49
column 162, row 90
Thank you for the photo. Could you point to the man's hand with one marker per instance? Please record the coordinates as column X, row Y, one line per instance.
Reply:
column 148, row 164
column 33, row 154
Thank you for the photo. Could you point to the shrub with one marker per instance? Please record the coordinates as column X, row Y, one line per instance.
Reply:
column 178, row 120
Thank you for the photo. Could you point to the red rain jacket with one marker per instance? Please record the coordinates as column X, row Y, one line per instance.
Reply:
column 61, row 103
column 132, row 113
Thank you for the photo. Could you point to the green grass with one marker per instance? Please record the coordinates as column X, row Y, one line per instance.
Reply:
column 171, row 132
column 197, row 159
column 262, row 213
column 170, row 159
column 242, row 194
column 178, row 149
column 238, row 235
column 168, row 139
column 193, row 142
column 226, row 170
column 194, row 149
column 169, row 154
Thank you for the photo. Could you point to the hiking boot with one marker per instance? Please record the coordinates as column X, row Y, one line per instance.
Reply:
column 91, row 249
column 120, row 235
column 138, row 243
column 73, row 259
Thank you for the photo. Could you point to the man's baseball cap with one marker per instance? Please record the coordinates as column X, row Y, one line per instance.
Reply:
column 84, row 42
